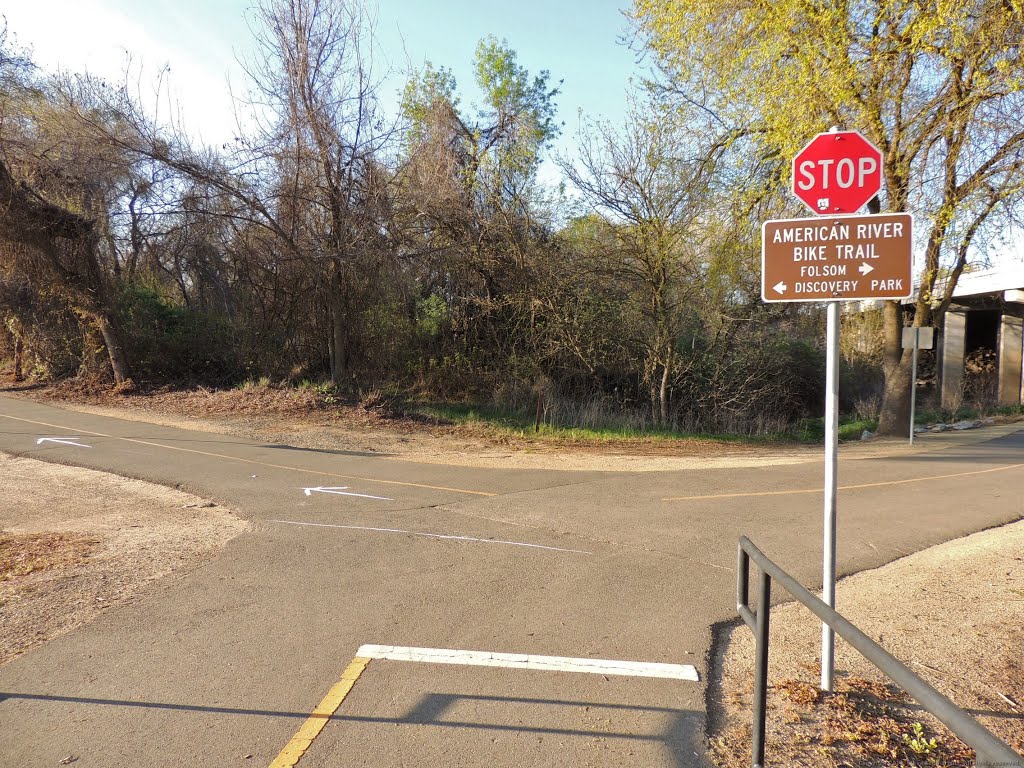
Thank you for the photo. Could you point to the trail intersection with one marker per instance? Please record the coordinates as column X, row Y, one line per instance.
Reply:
column 494, row 571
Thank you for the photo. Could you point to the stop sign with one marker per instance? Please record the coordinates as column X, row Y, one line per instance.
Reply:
column 837, row 173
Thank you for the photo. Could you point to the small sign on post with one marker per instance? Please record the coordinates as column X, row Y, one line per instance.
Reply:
column 918, row 338
column 915, row 338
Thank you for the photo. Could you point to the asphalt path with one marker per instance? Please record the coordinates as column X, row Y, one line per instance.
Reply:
column 223, row 666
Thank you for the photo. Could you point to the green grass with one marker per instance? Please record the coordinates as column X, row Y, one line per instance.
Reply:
column 261, row 383
column 850, row 428
column 935, row 415
column 522, row 423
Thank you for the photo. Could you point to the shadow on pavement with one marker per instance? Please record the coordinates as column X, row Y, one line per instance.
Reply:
column 684, row 737
column 329, row 451
column 11, row 696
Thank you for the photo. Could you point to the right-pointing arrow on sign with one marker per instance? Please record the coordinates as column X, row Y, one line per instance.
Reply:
column 779, row 287
column 864, row 268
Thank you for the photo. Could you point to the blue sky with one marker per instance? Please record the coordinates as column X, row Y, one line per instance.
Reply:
column 201, row 40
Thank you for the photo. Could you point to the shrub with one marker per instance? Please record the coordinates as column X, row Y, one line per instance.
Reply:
column 173, row 344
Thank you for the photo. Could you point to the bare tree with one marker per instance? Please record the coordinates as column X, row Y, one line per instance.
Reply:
column 56, row 194
column 326, row 137
column 651, row 197
column 310, row 170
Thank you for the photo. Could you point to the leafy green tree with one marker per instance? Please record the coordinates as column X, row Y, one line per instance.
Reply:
column 479, row 167
column 470, row 199
column 937, row 86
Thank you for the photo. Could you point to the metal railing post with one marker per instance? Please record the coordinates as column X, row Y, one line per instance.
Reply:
column 742, row 579
column 990, row 750
column 764, row 596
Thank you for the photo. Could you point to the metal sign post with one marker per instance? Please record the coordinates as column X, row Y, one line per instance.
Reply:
column 835, row 259
column 915, row 339
column 828, row 576
column 913, row 392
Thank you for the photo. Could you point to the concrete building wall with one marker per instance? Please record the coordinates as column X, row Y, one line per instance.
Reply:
column 1011, row 350
column 954, row 336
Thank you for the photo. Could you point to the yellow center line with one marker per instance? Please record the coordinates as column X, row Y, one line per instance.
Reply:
column 303, row 739
column 250, row 461
column 880, row 484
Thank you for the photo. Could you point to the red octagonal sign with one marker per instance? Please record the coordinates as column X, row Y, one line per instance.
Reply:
column 837, row 173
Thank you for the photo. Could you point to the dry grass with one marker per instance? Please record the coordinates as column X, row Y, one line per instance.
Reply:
column 377, row 421
column 252, row 399
column 27, row 553
column 863, row 723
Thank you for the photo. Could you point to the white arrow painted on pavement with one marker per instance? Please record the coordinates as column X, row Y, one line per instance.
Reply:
column 62, row 441
column 864, row 268
column 779, row 287
column 342, row 491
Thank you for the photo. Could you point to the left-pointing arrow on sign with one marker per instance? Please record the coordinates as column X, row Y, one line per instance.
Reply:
column 342, row 491
column 63, row 441
column 779, row 287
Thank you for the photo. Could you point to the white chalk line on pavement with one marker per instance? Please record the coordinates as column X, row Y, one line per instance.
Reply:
column 434, row 536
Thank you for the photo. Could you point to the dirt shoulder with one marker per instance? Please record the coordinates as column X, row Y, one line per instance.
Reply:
column 75, row 542
column 954, row 613
column 301, row 418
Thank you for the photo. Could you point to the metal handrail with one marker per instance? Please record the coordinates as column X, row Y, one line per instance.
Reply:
column 990, row 750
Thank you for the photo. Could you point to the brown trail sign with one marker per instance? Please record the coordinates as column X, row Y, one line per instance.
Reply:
column 837, row 258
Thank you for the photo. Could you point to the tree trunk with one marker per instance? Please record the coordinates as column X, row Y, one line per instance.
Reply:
column 330, row 339
column 95, row 362
column 115, row 348
column 663, row 395
column 19, row 357
column 338, row 367
column 894, row 418
column 339, row 337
